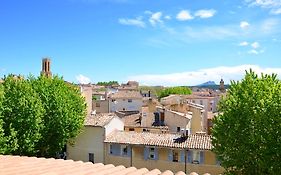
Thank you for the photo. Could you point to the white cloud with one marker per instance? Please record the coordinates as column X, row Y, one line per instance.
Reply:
column 255, row 45
column 83, row 79
column 253, row 51
column 276, row 11
column 273, row 5
column 205, row 13
column 167, row 17
column 244, row 43
column 132, row 22
column 270, row 25
column 155, row 18
column 244, row 24
column 184, row 15
column 200, row 76
column 265, row 3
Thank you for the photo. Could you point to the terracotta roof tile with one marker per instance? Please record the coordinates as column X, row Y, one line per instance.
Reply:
column 99, row 119
column 126, row 95
column 193, row 141
column 12, row 165
column 131, row 120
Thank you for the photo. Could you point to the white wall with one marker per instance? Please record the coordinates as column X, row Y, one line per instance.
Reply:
column 115, row 123
column 121, row 104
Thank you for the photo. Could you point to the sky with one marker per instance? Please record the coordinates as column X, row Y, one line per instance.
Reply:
column 161, row 42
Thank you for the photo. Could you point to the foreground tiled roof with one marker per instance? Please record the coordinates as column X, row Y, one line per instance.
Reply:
column 126, row 95
column 12, row 165
column 99, row 119
column 193, row 141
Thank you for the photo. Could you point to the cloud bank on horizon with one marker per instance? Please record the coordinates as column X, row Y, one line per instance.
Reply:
column 197, row 77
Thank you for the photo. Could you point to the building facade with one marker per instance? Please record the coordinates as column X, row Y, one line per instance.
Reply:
column 89, row 144
column 162, row 151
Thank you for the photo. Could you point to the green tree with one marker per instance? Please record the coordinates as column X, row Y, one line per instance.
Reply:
column 39, row 116
column 21, row 112
column 109, row 83
column 175, row 90
column 246, row 133
column 3, row 140
column 65, row 111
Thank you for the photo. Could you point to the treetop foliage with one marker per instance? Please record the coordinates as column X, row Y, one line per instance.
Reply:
column 109, row 83
column 175, row 90
column 246, row 133
column 38, row 116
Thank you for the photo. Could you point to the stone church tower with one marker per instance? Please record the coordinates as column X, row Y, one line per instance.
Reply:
column 222, row 88
column 46, row 67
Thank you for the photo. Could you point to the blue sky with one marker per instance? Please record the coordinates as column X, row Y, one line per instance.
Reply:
column 164, row 42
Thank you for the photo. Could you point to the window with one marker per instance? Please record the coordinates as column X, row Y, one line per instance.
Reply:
column 97, row 104
column 196, row 157
column 193, row 101
column 175, row 156
column 111, row 149
column 151, row 153
column 91, row 157
column 131, row 129
column 162, row 118
column 124, row 150
column 201, row 102
column 130, row 100
column 156, row 117
column 178, row 129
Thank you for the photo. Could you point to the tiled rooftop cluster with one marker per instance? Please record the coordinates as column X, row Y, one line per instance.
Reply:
column 99, row 119
column 193, row 141
column 11, row 165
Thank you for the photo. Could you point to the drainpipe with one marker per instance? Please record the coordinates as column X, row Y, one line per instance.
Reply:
column 104, row 146
column 131, row 158
column 185, row 151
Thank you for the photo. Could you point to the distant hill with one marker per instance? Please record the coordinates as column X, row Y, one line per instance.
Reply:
column 208, row 83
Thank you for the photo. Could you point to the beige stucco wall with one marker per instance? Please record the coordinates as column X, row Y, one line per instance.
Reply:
column 210, row 158
column 173, row 121
column 103, row 106
column 87, row 92
column 196, row 121
column 115, row 160
column 89, row 141
column 163, row 163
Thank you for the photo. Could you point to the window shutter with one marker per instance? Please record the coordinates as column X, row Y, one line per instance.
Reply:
column 156, row 153
column 170, row 155
column 129, row 151
column 116, row 149
column 189, row 156
column 145, row 153
column 156, row 117
column 182, row 155
column 202, row 157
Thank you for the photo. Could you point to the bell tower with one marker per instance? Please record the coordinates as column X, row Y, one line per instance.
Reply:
column 222, row 89
column 46, row 67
